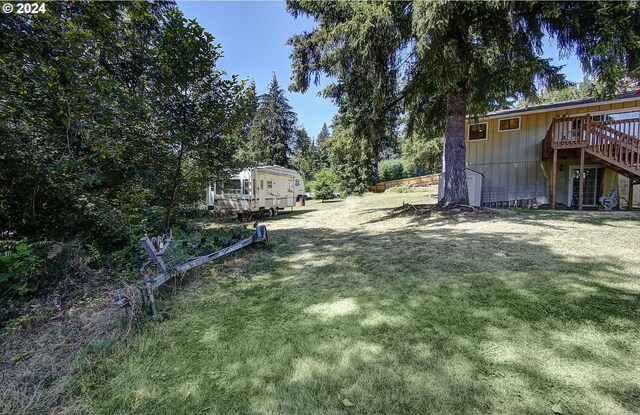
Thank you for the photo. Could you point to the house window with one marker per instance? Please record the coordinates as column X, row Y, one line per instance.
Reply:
column 509, row 124
column 478, row 131
column 629, row 115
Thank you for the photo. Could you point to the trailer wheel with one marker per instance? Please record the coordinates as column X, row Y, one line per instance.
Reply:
column 271, row 213
column 275, row 211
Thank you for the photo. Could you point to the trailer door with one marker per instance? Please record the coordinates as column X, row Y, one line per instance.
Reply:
column 291, row 194
column 261, row 190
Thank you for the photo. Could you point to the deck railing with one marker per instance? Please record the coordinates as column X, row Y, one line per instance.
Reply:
column 616, row 140
column 567, row 132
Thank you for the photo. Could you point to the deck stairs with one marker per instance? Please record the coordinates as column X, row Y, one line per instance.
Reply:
column 614, row 143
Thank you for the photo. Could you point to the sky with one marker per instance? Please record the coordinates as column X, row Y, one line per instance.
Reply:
column 253, row 36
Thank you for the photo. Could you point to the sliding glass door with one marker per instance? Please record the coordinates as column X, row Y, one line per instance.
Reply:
column 592, row 186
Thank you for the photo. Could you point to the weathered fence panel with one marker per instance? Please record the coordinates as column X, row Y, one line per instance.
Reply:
column 431, row 179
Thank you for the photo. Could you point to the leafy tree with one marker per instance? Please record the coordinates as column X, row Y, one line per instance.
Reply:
column 111, row 114
column 320, row 149
column 351, row 169
column 325, row 185
column 393, row 169
column 193, row 104
column 444, row 60
column 323, row 134
column 423, row 152
column 303, row 158
column 75, row 125
column 273, row 128
column 584, row 89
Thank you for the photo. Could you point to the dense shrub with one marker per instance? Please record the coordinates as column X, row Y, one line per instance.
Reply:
column 393, row 170
column 19, row 266
column 325, row 185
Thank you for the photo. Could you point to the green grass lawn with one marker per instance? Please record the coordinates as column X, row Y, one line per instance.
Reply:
column 506, row 314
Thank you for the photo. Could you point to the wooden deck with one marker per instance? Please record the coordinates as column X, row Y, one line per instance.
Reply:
column 614, row 143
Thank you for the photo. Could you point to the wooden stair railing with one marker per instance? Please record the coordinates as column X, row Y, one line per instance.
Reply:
column 615, row 145
column 613, row 141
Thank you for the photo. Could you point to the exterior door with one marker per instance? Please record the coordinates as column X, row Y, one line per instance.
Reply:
column 290, row 193
column 261, row 190
column 592, row 186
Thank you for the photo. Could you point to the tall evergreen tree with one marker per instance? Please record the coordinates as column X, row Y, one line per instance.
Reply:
column 322, row 156
column 444, row 60
column 273, row 128
column 323, row 134
column 303, row 155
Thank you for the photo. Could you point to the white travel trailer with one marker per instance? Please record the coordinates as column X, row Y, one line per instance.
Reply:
column 264, row 189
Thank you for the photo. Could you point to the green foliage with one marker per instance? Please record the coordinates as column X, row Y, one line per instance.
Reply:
column 304, row 156
column 398, row 189
column 19, row 268
column 423, row 153
column 354, row 170
column 584, row 89
column 393, row 170
column 325, row 185
column 322, row 158
column 419, row 164
column 272, row 130
column 112, row 114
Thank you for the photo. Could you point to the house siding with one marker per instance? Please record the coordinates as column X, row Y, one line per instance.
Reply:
column 511, row 162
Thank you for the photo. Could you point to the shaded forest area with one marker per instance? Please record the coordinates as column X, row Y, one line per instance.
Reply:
column 113, row 117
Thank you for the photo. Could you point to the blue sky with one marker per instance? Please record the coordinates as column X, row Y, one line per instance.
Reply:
column 253, row 36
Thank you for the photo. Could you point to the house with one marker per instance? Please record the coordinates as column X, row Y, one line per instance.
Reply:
column 534, row 156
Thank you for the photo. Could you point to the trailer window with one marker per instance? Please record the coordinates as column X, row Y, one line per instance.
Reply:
column 245, row 187
column 269, row 184
column 297, row 182
column 254, row 187
column 261, row 184
column 232, row 187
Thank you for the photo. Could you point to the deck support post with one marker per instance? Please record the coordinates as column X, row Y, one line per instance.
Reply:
column 554, row 179
column 581, row 186
column 630, row 198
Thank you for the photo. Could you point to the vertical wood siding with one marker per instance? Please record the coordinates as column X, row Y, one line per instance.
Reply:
column 511, row 161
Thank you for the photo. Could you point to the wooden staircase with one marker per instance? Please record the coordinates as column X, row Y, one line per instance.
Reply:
column 614, row 143
column 616, row 149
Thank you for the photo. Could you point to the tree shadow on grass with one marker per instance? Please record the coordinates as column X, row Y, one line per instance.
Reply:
column 532, row 218
column 409, row 321
column 288, row 214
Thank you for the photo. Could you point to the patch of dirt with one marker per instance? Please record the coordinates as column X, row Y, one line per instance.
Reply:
column 444, row 211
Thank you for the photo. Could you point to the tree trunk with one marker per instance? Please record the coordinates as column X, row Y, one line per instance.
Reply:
column 455, row 174
column 174, row 189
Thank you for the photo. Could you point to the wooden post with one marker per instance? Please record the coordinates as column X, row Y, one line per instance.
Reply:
column 631, row 183
column 554, row 178
column 581, row 186
column 589, row 140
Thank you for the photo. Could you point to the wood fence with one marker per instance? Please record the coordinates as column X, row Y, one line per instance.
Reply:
column 430, row 179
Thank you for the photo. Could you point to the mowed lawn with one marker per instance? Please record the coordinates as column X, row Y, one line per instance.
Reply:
column 350, row 311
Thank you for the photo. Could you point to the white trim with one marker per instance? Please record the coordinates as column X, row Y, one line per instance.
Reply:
column 512, row 129
column 477, row 139
column 525, row 111
column 570, row 187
